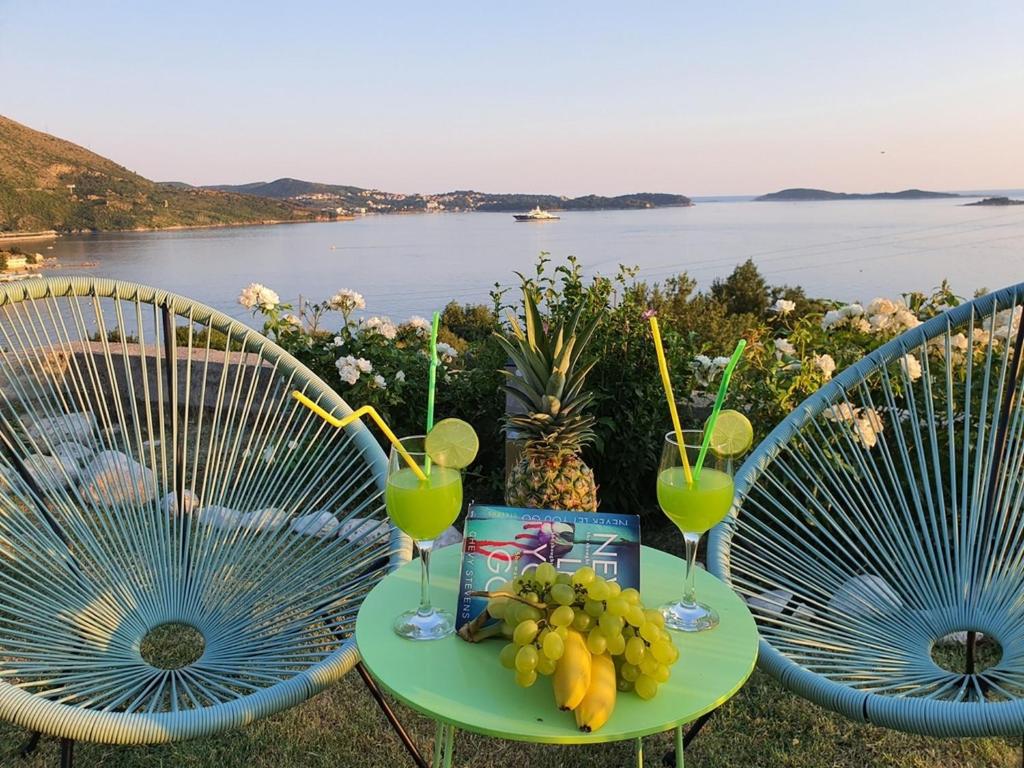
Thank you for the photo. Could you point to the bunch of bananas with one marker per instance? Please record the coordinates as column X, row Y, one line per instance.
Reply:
column 591, row 637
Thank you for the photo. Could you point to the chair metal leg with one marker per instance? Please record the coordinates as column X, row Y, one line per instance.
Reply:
column 67, row 753
column 29, row 746
column 972, row 638
column 392, row 718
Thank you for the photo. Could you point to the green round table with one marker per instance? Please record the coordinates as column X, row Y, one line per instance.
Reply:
column 462, row 685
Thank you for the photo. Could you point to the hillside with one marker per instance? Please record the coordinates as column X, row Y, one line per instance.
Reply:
column 49, row 183
column 802, row 194
column 282, row 189
column 358, row 199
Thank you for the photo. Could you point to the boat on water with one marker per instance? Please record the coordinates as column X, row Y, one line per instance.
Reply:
column 536, row 215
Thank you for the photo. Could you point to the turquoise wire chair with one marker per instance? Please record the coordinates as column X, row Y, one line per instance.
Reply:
column 156, row 476
column 886, row 513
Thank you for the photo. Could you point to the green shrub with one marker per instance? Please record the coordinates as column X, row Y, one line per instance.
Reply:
column 794, row 346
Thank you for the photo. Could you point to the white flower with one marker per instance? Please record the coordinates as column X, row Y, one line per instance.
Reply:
column 906, row 319
column 783, row 306
column 981, row 337
column 256, row 295
column 784, row 347
column 268, row 454
column 882, row 306
column 446, row 351
column 379, row 325
column 346, row 301
column 720, row 362
column 400, row 376
column 1005, row 323
column 888, row 316
column 911, row 366
column 379, row 381
column 293, row 444
column 825, row 364
column 347, row 372
column 958, row 342
column 293, row 320
column 851, row 310
column 849, row 316
column 339, row 342
column 832, row 317
column 880, row 322
column 840, row 412
column 702, row 370
column 350, row 368
column 868, row 426
column 419, row 324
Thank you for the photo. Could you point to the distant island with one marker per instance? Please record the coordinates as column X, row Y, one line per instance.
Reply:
column 49, row 185
column 804, row 194
column 997, row 201
column 357, row 200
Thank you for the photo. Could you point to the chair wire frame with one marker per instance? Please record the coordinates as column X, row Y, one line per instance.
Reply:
column 886, row 513
column 155, row 470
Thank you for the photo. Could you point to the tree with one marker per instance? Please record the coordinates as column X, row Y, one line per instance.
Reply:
column 744, row 291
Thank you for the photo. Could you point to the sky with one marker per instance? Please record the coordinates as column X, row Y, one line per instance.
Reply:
column 698, row 98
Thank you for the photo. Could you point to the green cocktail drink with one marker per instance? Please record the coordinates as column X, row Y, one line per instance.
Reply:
column 424, row 509
column 696, row 508
column 422, row 506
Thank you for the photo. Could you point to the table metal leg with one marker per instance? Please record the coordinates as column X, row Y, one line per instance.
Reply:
column 444, row 745
column 638, row 748
column 439, row 732
column 449, row 747
column 683, row 741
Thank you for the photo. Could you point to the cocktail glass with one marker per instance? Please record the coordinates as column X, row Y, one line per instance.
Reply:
column 423, row 509
column 694, row 508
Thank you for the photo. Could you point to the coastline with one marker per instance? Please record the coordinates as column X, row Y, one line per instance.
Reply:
column 47, row 234
column 53, row 234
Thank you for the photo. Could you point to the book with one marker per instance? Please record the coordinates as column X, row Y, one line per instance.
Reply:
column 499, row 543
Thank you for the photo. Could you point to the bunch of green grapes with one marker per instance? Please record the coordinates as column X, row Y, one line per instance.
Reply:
column 540, row 607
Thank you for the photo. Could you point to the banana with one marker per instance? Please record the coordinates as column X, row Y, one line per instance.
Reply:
column 572, row 673
column 599, row 701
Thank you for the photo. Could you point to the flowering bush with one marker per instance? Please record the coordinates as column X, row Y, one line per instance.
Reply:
column 375, row 361
column 794, row 346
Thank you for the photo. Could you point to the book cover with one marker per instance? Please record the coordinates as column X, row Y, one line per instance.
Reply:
column 501, row 542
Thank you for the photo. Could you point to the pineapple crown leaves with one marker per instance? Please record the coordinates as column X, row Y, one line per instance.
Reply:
column 551, row 375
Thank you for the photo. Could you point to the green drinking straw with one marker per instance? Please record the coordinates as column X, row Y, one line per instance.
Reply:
column 710, row 426
column 432, row 382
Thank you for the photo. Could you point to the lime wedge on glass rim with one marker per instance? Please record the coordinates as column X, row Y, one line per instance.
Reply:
column 452, row 443
column 732, row 434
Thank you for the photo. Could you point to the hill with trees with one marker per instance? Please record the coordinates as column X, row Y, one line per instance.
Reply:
column 360, row 199
column 49, row 183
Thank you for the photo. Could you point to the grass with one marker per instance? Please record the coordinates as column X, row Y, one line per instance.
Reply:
column 762, row 726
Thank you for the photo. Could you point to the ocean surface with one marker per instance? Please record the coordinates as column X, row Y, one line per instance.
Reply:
column 412, row 264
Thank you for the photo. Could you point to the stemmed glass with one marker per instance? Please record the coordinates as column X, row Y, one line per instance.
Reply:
column 694, row 508
column 423, row 509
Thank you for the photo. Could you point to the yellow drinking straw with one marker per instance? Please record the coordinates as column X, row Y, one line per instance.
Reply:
column 367, row 410
column 671, row 399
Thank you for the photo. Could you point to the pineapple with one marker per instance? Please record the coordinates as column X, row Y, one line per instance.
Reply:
column 550, row 473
